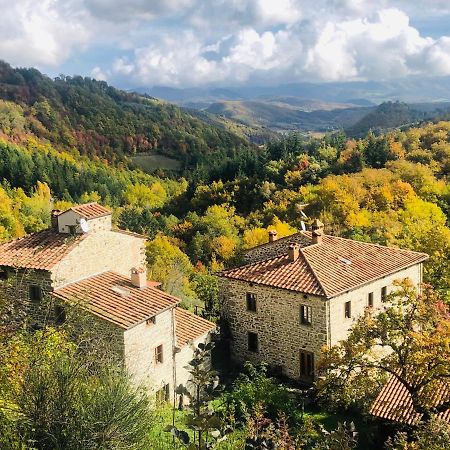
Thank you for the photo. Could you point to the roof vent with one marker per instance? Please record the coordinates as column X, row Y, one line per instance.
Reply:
column 345, row 261
column 293, row 252
column 139, row 277
column 54, row 218
column 123, row 292
column 317, row 231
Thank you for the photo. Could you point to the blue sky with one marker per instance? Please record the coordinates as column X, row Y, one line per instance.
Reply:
column 183, row 43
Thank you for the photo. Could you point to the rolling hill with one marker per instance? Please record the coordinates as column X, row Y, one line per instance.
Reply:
column 103, row 122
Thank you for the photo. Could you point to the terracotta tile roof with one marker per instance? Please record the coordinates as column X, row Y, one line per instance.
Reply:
column 189, row 326
column 328, row 269
column 40, row 250
column 394, row 403
column 279, row 272
column 112, row 297
column 90, row 210
column 299, row 238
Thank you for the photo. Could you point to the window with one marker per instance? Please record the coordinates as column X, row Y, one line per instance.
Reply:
column 370, row 300
column 383, row 292
column 348, row 310
column 251, row 302
column 163, row 394
column 252, row 342
column 60, row 315
column 305, row 315
column 306, row 365
column 151, row 321
column 3, row 274
column 159, row 354
column 35, row 293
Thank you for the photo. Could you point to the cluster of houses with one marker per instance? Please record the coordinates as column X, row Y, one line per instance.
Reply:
column 292, row 296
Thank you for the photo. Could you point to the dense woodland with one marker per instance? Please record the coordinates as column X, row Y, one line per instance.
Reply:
column 66, row 141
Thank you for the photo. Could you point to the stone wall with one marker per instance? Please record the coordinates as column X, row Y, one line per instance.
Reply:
column 281, row 336
column 183, row 358
column 98, row 252
column 140, row 344
column 272, row 249
column 339, row 325
column 72, row 218
column 16, row 289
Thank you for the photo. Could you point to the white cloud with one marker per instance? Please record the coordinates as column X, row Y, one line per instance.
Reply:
column 43, row 32
column 194, row 42
column 132, row 10
column 98, row 74
column 386, row 47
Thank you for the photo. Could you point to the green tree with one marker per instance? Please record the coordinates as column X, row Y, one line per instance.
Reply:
column 202, row 388
column 408, row 341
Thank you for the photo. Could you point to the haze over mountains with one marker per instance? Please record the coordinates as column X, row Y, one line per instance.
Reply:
column 319, row 107
column 364, row 93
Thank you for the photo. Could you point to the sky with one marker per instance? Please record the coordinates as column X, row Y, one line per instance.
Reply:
column 194, row 43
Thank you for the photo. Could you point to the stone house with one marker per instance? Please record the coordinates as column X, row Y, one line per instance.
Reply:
column 82, row 259
column 297, row 294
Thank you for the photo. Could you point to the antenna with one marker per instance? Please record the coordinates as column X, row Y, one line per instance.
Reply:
column 84, row 225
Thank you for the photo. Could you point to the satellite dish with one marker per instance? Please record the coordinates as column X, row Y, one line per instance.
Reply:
column 84, row 225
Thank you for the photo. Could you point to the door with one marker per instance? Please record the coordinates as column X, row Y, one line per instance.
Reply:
column 306, row 366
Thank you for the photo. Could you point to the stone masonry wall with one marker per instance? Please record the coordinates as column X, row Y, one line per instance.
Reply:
column 69, row 218
column 17, row 290
column 98, row 252
column 281, row 336
column 339, row 325
column 272, row 249
column 140, row 344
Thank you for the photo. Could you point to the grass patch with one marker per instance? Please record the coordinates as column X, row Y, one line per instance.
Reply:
column 150, row 162
column 367, row 431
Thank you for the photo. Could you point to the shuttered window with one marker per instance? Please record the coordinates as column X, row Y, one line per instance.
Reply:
column 251, row 302
column 348, row 310
column 305, row 315
column 159, row 354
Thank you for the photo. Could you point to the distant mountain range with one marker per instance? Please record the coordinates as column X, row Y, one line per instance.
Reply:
column 363, row 93
column 310, row 107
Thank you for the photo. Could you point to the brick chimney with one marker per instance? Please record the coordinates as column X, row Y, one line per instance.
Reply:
column 54, row 218
column 273, row 235
column 317, row 231
column 293, row 252
column 139, row 277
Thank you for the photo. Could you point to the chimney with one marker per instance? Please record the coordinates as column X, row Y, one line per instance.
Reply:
column 317, row 231
column 54, row 218
column 139, row 277
column 273, row 235
column 293, row 252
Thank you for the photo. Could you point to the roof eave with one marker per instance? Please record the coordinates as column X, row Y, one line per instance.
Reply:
column 167, row 308
column 425, row 258
column 276, row 287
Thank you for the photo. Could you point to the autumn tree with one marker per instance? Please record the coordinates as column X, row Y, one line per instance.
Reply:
column 408, row 340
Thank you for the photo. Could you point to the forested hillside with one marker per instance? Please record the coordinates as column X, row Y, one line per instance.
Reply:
column 391, row 189
column 387, row 116
column 103, row 122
